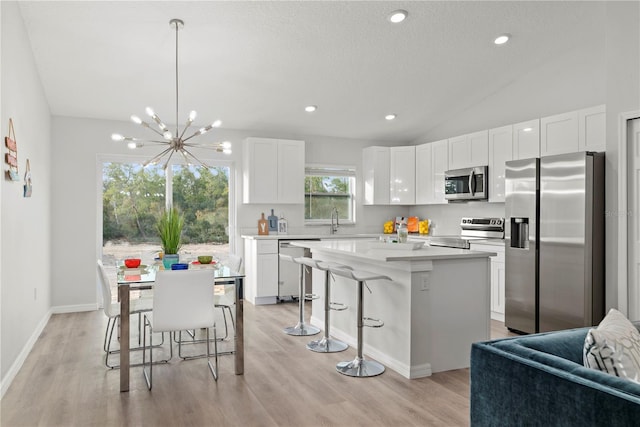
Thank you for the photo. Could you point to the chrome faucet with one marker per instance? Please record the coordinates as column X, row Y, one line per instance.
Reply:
column 334, row 226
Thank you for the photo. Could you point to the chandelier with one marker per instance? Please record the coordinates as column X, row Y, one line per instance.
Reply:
column 175, row 142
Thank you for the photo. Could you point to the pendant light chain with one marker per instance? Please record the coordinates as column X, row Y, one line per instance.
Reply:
column 177, row 116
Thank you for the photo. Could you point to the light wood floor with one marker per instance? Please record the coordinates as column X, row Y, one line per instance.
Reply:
column 64, row 383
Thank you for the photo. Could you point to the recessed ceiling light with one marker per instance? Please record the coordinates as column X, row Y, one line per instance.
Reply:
column 390, row 116
column 310, row 108
column 398, row 16
column 502, row 39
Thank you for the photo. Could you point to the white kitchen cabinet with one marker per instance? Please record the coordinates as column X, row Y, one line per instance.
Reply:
column 526, row 140
column 261, row 271
column 592, row 129
column 559, row 134
column 273, row 171
column 497, row 277
column 500, row 151
column 469, row 150
column 402, row 173
column 432, row 160
column 376, row 162
column 581, row 130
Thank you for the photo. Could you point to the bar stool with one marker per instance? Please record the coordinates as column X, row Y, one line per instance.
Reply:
column 301, row 329
column 359, row 367
column 326, row 344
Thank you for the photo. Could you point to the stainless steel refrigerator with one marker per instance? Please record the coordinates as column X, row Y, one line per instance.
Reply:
column 554, row 242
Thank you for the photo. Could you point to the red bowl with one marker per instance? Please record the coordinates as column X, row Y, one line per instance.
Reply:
column 132, row 262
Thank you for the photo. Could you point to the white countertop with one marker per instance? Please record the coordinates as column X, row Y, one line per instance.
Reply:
column 276, row 236
column 361, row 249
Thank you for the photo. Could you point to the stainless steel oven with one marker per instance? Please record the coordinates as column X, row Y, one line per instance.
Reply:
column 466, row 184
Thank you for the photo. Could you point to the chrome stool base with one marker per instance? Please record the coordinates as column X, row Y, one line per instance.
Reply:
column 327, row 345
column 361, row 368
column 301, row 329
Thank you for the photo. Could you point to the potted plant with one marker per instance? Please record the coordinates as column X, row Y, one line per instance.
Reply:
column 170, row 230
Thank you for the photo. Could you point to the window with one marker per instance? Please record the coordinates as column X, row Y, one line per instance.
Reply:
column 326, row 187
column 133, row 198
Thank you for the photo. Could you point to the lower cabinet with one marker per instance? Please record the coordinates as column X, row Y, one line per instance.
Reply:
column 497, row 278
column 261, row 271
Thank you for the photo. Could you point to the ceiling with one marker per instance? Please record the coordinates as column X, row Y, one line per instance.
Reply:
column 256, row 65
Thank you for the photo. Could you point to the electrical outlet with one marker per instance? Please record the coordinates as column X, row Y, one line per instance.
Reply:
column 425, row 283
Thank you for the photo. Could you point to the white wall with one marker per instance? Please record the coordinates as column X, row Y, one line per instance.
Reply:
column 623, row 95
column 25, row 222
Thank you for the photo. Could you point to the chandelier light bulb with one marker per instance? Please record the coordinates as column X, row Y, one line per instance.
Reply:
column 216, row 124
column 150, row 111
column 192, row 115
column 226, row 150
column 226, row 145
column 167, row 135
column 132, row 145
column 135, row 119
column 117, row 137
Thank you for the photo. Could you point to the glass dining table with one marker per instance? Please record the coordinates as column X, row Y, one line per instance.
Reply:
column 145, row 280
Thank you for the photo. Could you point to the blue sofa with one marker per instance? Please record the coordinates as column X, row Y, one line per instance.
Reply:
column 540, row 380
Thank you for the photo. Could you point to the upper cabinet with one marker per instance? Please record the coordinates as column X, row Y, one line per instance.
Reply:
column 500, row 151
column 469, row 150
column 526, row 140
column 582, row 130
column 376, row 162
column 592, row 130
column 273, row 171
column 432, row 160
column 403, row 175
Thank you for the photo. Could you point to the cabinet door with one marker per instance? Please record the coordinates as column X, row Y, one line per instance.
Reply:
column 267, row 275
column 459, row 152
column 592, row 128
column 479, row 145
column 497, row 288
column 260, row 174
column 424, row 174
column 559, row 134
column 403, row 175
column 500, row 151
column 526, row 140
column 439, row 165
column 290, row 171
column 375, row 170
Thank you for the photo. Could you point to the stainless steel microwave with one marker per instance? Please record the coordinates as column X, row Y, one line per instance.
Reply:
column 466, row 184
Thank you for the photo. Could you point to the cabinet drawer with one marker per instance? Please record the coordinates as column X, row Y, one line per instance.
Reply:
column 267, row 246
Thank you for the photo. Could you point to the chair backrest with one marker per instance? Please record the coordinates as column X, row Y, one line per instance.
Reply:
column 106, row 291
column 234, row 262
column 183, row 300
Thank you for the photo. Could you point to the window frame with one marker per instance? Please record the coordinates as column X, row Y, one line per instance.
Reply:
column 313, row 169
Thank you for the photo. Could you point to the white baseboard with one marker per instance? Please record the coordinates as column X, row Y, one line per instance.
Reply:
column 497, row 316
column 77, row 308
column 17, row 364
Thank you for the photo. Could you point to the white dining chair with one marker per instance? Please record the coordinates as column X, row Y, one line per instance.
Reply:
column 181, row 301
column 112, row 311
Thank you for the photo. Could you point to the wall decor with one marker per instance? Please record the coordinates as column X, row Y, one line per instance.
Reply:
column 283, row 225
column 27, row 180
column 11, row 157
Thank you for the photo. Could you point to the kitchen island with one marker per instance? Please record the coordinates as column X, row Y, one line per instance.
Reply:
column 435, row 306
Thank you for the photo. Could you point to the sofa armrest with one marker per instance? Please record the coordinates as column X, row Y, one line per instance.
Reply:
column 508, row 389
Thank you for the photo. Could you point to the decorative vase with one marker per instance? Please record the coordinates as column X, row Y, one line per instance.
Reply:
column 169, row 259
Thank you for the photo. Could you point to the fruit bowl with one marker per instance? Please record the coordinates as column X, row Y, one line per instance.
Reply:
column 205, row 259
column 132, row 262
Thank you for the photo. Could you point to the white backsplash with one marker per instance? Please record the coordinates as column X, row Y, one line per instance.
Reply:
column 445, row 219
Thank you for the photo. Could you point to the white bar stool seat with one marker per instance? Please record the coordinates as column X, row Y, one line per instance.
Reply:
column 301, row 328
column 359, row 367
